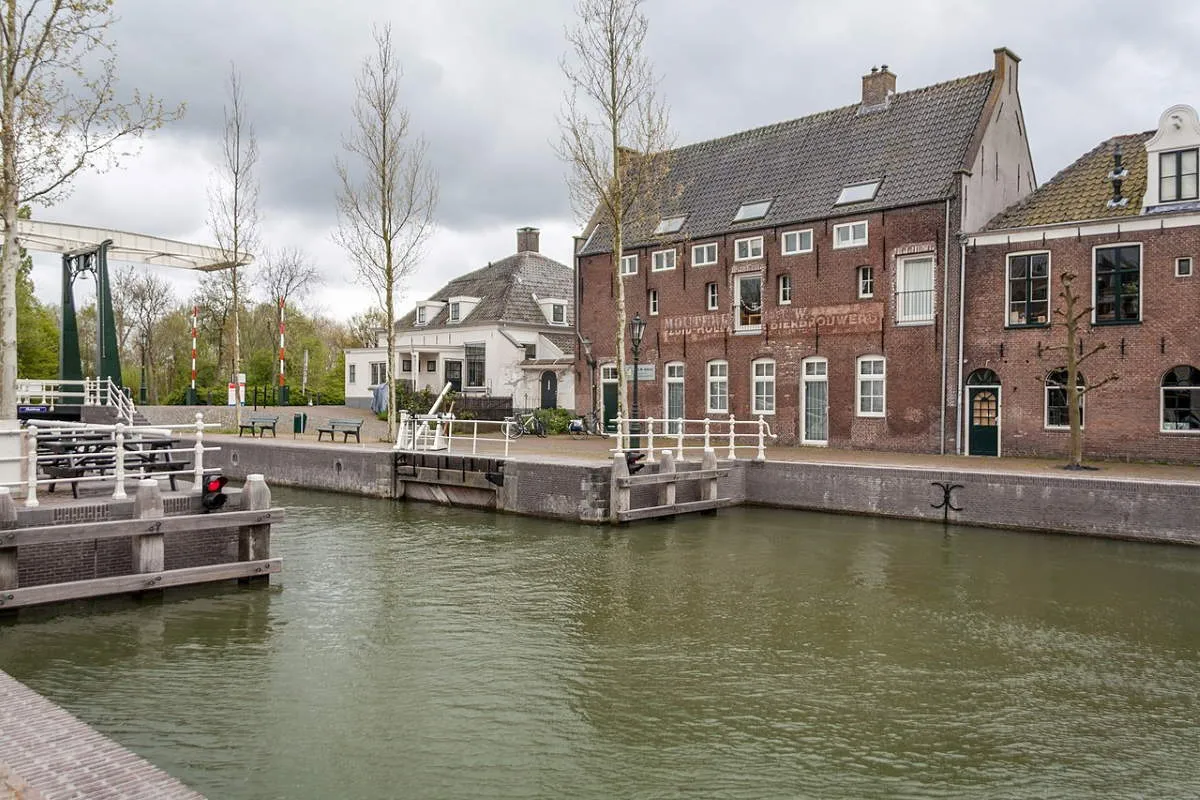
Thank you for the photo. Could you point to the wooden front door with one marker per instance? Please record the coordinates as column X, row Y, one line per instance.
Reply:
column 549, row 390
column 983, row 438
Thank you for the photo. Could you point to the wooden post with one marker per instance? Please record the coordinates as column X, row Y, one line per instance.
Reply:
column 254, row 541
column 618, row 496
column 709, row 462
column 8, row 555
column 666, row 491
column 148, row 553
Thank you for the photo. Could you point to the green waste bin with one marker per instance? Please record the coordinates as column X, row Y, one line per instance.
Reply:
column 299, row 423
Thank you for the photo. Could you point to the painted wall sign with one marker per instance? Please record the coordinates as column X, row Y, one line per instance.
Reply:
column 851, row 318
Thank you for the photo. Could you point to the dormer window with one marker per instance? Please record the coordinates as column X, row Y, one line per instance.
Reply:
column 752, row 211
column 553, row 308
column 669, row 225
column 421, row 318
column 558, row 314
column 1177, row 176
column 455, row 309
column 858, row 193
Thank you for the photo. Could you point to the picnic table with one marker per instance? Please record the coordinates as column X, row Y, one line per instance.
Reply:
column 71, row 455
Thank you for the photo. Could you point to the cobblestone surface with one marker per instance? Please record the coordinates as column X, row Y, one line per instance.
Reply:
column 55, row 756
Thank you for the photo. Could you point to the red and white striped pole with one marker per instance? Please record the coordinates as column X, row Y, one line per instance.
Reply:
column 192, row 390
column 282, row 388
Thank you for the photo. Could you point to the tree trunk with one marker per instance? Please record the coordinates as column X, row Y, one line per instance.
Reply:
column 10, row 260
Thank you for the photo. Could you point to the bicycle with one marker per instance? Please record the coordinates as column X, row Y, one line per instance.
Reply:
column 586, row 425
column 523, row 424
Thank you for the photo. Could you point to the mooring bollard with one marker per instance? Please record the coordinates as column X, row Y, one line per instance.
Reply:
column 31, row 500
column 650, row 440
column 618, row 496
column 254, row 541
column 666, row 491
column 148, row 550
column 119, row 465
column 709, row 463
column 198, row 456
column 732, row 434
column 8, row 555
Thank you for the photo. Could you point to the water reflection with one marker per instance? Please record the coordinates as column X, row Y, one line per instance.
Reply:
column 423, row 652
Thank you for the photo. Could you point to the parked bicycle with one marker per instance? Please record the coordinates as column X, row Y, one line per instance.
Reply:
column 587, row 425
column 522, row 424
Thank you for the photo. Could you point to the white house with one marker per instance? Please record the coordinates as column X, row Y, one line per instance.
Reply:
column 506, row 330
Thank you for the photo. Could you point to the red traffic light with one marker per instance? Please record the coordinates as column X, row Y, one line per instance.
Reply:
column 216, row 484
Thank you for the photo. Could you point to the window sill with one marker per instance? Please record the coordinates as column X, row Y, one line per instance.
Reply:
column 795, row 252
column 849, row 246
column 755, row 331
column 785, row 302
column 1060, row 428
column 1115, row 322
column 866, row 297
column 664, row 269
column 761, row 414
column 1036, row 326
column 705, row 264
column 1180, row 432
column 862, row 415
column 914, row 323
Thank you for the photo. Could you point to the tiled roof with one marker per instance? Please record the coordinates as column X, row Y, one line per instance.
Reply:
column 563, row 341
column 506, row 290
column 1082, row 190
column 914, row 146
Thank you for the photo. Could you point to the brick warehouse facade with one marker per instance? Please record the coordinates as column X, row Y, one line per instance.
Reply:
column 1147, row 223
column 808, row 272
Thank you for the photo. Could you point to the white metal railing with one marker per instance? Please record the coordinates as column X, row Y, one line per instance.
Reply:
column 87, row 392
column 33, row 461
column 696, row 435
column 445, row 432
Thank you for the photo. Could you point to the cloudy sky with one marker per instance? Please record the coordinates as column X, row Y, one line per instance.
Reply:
column 483, row 85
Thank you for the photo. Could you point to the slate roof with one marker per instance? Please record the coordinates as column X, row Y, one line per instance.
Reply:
column 563, row 341
column 506, row 288
column 914, row 146
column 1082, row 190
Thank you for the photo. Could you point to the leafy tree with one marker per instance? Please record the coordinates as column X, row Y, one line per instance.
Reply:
column 37, row 335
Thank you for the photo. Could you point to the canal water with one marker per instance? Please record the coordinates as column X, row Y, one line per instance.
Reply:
column 411, row 651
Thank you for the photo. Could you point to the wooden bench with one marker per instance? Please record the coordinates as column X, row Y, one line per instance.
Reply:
column 343, row 426
column 259, row 424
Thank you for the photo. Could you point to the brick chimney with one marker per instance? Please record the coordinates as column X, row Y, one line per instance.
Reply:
column 877, row 87
column 527, row 240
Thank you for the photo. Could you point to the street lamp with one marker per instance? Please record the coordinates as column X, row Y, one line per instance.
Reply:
column 637, row 327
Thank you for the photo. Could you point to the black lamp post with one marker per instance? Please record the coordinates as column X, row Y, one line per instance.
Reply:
column 637, row 327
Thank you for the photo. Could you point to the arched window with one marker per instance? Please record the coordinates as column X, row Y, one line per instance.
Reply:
column 1181, row 399
column 1056, row 398
column 983, row 377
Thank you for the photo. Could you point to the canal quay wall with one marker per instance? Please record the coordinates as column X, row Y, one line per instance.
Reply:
column 579, row 490
column 79, row 763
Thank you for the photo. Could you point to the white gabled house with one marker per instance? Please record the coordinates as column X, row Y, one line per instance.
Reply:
column 506, row 330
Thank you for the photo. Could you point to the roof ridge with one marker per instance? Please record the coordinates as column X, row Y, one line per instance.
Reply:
column 765, row 129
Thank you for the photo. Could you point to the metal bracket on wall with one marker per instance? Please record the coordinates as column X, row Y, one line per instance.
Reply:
column 947, row 504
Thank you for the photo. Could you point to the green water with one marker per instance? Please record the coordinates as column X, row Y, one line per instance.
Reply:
column 409, row 651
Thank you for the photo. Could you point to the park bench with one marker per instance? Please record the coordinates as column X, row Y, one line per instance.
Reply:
column 343, row 426
column 258, row 424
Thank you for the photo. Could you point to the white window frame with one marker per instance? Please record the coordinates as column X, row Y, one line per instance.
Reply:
column 422, row 316
column 1008, row 257
column 750, row 242
column 1162, row 408
column 669, row 225
column 865, row 275
column 658, row 262
column 699, row 249
column 902, row 265
column 1177, row 153
column 711, row 381
column 785, row 289
column 629, row 264
column 558, row 314
column 455, row 312
column 1179, row 262
column 351, row 373
column 852, row 241
column 798, row 247
column 873, row 377
column 1046, row 387
column 760, row 402
column 813, row 376
column 673, row 373
column 738, row 325
column 652, row 302
column 608, row 373
column 712, row 296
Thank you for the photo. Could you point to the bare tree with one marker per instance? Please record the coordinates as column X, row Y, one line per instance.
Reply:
column 59, row 115
column 387, row 195
column 364, row 328
column 150, row 300
column 286, row 276
column 234, row 207
column 1071, row 311
column 615, row 133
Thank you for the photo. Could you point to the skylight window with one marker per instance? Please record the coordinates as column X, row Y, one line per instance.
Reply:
column 858, row 193
column 669, row 225
column 756, row 210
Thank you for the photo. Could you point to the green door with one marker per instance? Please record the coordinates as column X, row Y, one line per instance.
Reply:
column 984, row 435
column 610, row 407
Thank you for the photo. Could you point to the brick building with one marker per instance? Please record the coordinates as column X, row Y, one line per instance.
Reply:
column 1128, row 228
column 808, row 271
